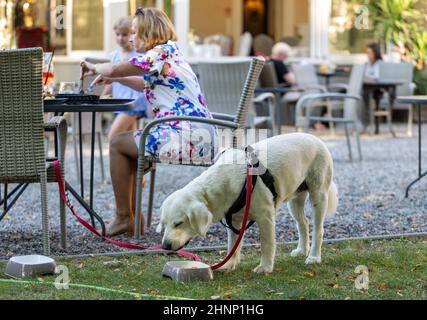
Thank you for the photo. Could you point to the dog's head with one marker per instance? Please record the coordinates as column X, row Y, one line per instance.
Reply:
column 183, row 217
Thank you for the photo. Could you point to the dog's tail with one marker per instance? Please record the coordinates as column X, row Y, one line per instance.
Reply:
column 332, row 200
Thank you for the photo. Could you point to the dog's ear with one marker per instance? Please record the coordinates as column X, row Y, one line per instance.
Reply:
column 200, row 219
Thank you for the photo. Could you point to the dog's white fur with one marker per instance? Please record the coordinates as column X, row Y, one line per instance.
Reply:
column 292, row 159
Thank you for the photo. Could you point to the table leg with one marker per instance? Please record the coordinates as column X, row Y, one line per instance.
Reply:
column 392, row 98
column 377, row 108
column 420, row 174
column 81, row 156
column 92, row 164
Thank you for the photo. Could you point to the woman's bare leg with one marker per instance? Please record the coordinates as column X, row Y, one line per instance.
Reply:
column 122, row 123
column 123, row 156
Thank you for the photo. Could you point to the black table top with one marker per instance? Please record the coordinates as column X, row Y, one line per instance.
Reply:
column 383, row 83
column 102, row 105
column 421, row 100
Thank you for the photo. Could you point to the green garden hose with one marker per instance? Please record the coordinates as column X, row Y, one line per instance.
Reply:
column 85, row 286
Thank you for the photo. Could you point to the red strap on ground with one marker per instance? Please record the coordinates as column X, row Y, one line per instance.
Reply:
column 120, row 244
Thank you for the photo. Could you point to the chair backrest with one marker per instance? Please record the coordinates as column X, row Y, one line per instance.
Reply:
column 263, row 45
column 305, row 75
column 398, row 71
column 355, row 88
column 229, row 85
column 22, row 155
column 268, row 77
column 245, row 45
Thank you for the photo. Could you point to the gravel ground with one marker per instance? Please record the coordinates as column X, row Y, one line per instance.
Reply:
column 371, row 202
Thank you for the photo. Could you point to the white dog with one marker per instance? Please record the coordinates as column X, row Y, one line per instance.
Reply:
column 301, row 166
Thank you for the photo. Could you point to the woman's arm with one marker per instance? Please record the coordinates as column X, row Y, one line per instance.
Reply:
column 135, row 83
column 122, row 69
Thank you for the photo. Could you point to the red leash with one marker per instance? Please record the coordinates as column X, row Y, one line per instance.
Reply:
column 249, row 173
column 130, row 246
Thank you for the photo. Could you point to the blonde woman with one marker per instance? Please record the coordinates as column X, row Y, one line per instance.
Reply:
column 170, row 88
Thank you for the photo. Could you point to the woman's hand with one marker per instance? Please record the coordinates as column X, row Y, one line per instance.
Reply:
column 102, row 80
column 86, row 69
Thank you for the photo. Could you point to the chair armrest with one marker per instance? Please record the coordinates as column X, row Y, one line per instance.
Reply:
column 54, row 123
column 223, row 116
column 268, row 96
column 317, row 87
column 59, row 125
column 306, row 102
column 339, row 86
column 147, row 128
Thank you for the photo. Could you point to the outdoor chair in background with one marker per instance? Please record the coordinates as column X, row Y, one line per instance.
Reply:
column 304, row 115
column 306, row 78
column 285, row 112
column 263, row 45
column 22, row 152
column 225, row 42
column 399, row 71
column 147, row 164
column 245, row 45
column 353, row 87
column 222, row 83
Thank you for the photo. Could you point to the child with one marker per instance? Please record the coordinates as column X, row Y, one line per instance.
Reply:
column 169, row 88
column 125, row 121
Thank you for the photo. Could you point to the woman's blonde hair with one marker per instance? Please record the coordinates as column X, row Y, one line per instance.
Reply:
column 153, row 27
column 124, row 25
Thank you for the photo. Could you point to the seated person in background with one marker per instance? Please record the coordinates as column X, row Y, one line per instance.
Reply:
column 280, row 54
column 373, row 52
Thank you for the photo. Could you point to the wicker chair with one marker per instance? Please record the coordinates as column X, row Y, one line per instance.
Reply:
column 22, row 153
column 222, row 82
column 233, row 122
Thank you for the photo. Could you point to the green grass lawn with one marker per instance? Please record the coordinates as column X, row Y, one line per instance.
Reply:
column 397, row 270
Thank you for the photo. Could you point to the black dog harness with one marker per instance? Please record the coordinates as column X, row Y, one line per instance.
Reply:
column 266, row 177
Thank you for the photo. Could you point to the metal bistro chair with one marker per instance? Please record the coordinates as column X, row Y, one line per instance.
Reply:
column 234, row 122
column 285, row 112
column 306, row 104
column 399, row 71
column 22, row 153
column 222, row 83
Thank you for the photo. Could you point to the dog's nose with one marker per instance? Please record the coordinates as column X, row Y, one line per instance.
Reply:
column 167, row 246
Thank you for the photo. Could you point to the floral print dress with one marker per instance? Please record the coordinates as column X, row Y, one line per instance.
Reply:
column 172, row 89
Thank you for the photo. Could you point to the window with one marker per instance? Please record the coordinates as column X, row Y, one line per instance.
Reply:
column 88, row 25
column 344, row 36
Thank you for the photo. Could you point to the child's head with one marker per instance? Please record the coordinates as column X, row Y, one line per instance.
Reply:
column 151, row 27
column 122, row 29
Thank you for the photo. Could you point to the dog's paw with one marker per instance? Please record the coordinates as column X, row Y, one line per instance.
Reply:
column 298, row 252
column 228, row 267
column 263, row 269
column 313, row 260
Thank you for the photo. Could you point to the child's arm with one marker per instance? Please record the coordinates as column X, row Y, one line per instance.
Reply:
column 122, row 69
column 108, row 90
